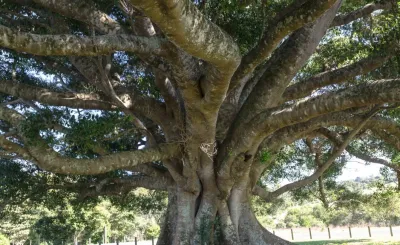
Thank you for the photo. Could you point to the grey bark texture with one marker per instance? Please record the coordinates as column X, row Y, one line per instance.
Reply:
column 219, row 109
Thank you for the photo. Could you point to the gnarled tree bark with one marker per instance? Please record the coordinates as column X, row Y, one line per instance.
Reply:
column 219, row 110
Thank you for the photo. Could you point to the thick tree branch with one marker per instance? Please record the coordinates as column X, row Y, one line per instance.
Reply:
column 67, row 45
column 87, row 13
column 384, row 128
column 337, row 139
column 50, row 160
column 268, row 196
column 388, row 138
column 292, row 133
column 145, row 106
column 189, row 29
column 46, row 96
column 296, row 15
column 362, row 12
column 294, row 51
column 150, row 170
column 186, row 27
column 315, row 149
column 306, row 87
column 169, row 94
column 268, row 91
column 266, row 123
column 272, row 78
column 375, row 92
column 11, row 147
column 10, row 116
column 84, row 11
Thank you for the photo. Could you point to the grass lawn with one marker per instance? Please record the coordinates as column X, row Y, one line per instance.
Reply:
column 350, row 242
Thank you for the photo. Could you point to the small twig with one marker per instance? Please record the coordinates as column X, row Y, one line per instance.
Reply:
column 99, row 186
column 63, row 84
column 12, row 102
column 31, row 104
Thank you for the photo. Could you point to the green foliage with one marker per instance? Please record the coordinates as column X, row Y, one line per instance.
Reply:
column 265, row 156
column 300, row 217
column 17, row 221
column 396, row 159
column 83, row 134
column 362, row 202
column 295, row 162
column 18, row 181
column 245, row 24
column 38, row 123
column 4, row 240
column 143, row 201
column 388, row 174
column 89, row 222
column 88, row 134
column 152, row 231
column 55, row 229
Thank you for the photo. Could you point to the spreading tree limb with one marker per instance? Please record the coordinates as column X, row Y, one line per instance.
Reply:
column 337, row 139
column 189, row 29
column 375, row 92
column 48, row 159
column 362, row 12
column 305, row 87
column 294, row 17
column 68, row 45
column 145, row 106
column 268, row 196
column 84, row 11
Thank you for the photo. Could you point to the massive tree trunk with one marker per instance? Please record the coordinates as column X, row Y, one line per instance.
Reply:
column 398, row 180
column 233, row 223
column 224, row 215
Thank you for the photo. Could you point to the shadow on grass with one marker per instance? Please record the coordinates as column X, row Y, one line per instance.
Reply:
column 334, row 242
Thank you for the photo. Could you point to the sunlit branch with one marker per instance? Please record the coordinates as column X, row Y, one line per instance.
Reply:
column 268, row 196
column 306, row 87
column 375, row 92
column 68, row 45
column 362, row 12
column 193, row 32
column 84, row 11
column 294, row 17
column 46, row 96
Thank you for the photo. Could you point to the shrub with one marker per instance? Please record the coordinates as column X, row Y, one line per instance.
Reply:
column 4, row 240
column 151, row 231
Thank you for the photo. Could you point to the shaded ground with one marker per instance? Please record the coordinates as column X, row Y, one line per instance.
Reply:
column 148, row 242
column 350, row 242
column 322, row 242
column 340, row 233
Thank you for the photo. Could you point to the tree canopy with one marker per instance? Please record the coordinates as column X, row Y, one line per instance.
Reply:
column 208, row 101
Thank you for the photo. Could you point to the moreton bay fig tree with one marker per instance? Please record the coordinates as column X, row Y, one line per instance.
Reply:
column 196, row 98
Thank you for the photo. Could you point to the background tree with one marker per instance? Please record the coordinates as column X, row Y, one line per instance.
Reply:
column 362, row 202
column 196, row 98
column 69, row 223
column 4, row 240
